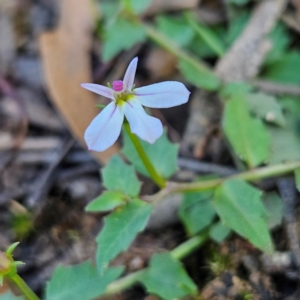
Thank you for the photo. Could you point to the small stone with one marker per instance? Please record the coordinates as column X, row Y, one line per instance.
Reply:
column 270, row 117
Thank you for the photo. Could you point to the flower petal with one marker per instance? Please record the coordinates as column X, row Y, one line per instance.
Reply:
column 105, row 128
column 130, row 74
column 163, row 94
column 144, row 126
column 99, row 89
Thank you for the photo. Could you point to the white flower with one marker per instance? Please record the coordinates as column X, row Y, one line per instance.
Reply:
column 128, row 100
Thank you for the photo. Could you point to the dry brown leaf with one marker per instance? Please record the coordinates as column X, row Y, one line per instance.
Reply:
column 158, row 6
column 66, row 62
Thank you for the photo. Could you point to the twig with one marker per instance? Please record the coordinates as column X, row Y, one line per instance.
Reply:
column 14, row 193
column 202, row 167
column 40, row 143
column 291, row 21
column 8, row 90
column 44, row 157
column 44, row 182
column 86, row 168
column 244, row 59
column 277, row 88
column 159, row 6
column 39, row 113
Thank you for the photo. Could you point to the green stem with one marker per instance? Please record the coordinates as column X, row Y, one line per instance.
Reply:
column 26, row 290
column 207, row 35
column 163, row 41
column 179, row 252
column 189, row 246
column 124, row 283
column 195, row 242
column 252, row 175
column 167, row 44
column 144, row 157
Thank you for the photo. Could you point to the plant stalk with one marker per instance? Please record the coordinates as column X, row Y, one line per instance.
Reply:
column 26, row 290
column 179, row 252
column 167, row 44
column 144, row 157
column 124, row 283
column 252, row 175
column 189, row 246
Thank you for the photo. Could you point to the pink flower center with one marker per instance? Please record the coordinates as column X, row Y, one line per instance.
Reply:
column 118, row 85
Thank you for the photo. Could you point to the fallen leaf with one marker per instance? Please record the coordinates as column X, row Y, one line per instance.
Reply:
column 66, row 63
column 158, row 6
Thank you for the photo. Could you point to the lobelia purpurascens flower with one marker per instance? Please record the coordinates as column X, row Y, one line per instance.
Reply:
column 129, row 101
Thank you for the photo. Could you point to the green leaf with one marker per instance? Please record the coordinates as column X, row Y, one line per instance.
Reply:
column 237, row 2
column 280, row 41
column 79, row 282
column 138, row 6
column 240, row 208
column 297, row 178
column 196, row 211
column 162, row 154
column 207, row 35
column 10, row 296
column 9, row 251
column 200, row 49
column 219, row 232
column 291, row 108
column 274, row 208
column 109, row 200
column 199, row 46
column 285, row 145
column 247, row 135
column 266, row 107
column 285, row 70
column 233, row 88
column 118, row 176
column 198, row 75
column 120, row 229
column 167, row 278
column 121, row 35
column 176, row 29
column 108, row 8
